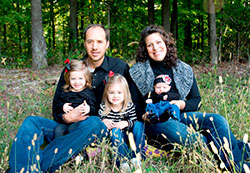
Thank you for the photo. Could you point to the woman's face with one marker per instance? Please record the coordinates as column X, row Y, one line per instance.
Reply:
column 156, row 47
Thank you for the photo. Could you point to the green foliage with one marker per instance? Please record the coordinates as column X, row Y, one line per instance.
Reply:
column 127, row 20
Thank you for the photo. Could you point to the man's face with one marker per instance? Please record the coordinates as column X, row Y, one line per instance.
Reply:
column 96, row 44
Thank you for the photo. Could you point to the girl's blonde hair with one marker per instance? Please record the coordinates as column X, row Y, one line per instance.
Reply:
column 117, row 78
column 77, row 65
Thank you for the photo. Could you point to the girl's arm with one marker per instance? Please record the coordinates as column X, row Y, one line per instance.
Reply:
column 109, row 123
column 131, row 116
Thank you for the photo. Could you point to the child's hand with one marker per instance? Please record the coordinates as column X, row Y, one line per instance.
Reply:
column 149, row 101
column 67, row 108
column 121, row 125
column 108, row 123
column 165, row 97
column 85, row 108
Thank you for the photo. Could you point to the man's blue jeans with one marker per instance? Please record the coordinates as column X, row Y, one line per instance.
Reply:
column 26, row 152
column 119, row 141
column 212, row 127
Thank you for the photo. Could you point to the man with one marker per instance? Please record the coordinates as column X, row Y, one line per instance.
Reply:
column 26, row 154
column 96, row 42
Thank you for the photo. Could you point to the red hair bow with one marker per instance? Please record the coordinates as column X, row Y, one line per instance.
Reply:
column 67, row 61
column 111, row 74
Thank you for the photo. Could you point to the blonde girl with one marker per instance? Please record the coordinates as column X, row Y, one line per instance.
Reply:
column 117, row 112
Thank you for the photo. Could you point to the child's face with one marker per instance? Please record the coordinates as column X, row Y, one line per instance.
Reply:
column 77, row 80
column 161, row 87
column 115, row 94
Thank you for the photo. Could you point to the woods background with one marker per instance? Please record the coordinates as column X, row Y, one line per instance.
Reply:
column 39, row 33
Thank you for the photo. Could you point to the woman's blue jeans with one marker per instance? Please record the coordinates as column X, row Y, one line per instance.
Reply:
column 212, row 127
column 26, row 152
column 119, row 141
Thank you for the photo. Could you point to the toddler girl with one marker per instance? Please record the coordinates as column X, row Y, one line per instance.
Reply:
column 77, row 92
column 118, row 113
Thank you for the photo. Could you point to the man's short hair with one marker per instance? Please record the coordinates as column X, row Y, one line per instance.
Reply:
column 97, row 25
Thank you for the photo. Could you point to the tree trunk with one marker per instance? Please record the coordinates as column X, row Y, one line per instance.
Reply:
column 73, row 24
column 151, row 12
column 81, row 27
column 19, row 31
column 28, row 41
column 238, row 47
column 202, row 33
column 52, row 24
column 39, row 52
column 212, row 32
column 109, row 15
column 174, row 21
column 4, row 48
column 165, row 14
column 188, row 33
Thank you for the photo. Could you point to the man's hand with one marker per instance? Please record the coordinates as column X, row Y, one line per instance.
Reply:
column 121, row 125
column 180, row 103
column 75, row 115
column 67, row 108
column 109, row 123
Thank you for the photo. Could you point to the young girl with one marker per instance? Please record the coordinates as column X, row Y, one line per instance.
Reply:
column 77, row 92
column 118, row 113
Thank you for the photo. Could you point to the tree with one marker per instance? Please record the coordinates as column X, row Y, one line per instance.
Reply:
column 39, row 51
column 174, row 21
column 212, row 32
column 73, row 24
column 52, row 25
column 151, row 13
column 165, row 16
column 188, row 32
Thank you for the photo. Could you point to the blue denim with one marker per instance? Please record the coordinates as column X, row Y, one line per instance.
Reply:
column 119, row 141
column 209, row 127
column 23, row 154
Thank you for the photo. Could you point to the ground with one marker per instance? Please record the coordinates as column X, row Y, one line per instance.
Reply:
column 12, row 81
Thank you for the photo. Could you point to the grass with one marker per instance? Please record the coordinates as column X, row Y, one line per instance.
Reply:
column 230, row 99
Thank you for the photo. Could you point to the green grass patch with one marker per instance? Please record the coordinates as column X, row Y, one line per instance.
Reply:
column 230, row 99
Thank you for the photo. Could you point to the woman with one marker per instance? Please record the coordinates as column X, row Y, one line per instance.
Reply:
column 157, row 55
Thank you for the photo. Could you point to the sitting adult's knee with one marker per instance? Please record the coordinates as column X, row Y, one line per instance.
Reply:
column 217, row 120
column 30, row 119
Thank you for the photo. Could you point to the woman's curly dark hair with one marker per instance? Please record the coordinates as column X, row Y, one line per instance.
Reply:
column 142, row 53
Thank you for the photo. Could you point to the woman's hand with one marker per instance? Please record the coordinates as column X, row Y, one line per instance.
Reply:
column 67, row 108
column 75, row 115
column 180, row 103
column 121, row 125
column 109, row 123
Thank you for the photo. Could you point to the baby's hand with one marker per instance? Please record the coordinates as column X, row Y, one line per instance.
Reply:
column 165, row 97
column 149, row 101
column 67, row 108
